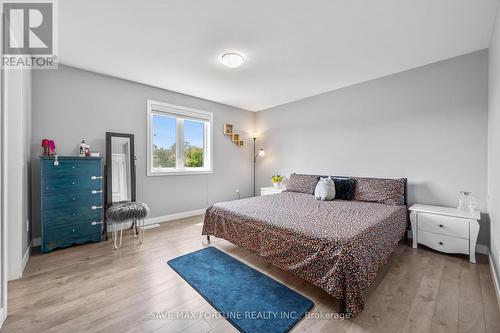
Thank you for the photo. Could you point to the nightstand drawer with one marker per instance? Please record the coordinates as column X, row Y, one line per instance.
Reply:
column 444, row 225
column 443, row 243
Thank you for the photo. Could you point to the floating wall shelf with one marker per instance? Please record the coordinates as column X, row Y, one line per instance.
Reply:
column 235, row 137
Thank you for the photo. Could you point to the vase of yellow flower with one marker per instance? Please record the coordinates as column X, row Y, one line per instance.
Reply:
column 277, row 180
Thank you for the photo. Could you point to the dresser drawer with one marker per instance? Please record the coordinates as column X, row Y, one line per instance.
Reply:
column 444, row 225
column 71, row 231
column 71, row 215
column 69, row 167
column 71, row 199
column 443, row 243
column 71, row 183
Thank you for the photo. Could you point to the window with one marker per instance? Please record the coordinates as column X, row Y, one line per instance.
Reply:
column 179, row 140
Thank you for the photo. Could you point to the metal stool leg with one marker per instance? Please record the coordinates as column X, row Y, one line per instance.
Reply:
column 141, row 231
column 135, row 226
column 115, row 235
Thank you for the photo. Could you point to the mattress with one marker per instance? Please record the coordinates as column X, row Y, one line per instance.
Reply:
column 336, row 245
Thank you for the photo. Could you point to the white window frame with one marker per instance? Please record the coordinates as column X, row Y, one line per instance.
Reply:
column 180, row 113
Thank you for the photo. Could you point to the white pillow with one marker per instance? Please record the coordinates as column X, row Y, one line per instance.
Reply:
column 325, row 189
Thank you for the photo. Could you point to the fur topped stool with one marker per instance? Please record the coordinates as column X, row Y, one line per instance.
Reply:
column 123, row 211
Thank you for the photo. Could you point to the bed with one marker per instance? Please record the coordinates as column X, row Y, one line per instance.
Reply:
column 336, row 245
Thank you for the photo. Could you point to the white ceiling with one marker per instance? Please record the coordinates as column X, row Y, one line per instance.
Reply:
column 294, row 48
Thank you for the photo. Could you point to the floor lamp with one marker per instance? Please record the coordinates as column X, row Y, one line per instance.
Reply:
column 260, row 153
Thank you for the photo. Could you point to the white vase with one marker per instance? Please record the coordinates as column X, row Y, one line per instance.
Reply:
column 277, row 185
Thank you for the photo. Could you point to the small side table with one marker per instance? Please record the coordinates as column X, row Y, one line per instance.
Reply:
column 271, row 190
column 445, row 229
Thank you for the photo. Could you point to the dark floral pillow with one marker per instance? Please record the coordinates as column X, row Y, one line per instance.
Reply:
column 344, row 187
column 302, row 183
column 386, row 191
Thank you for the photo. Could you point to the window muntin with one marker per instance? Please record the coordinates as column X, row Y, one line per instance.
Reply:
column 179, row 140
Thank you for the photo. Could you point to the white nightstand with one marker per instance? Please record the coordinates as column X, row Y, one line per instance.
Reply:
column 445, row 229
column 271, row 190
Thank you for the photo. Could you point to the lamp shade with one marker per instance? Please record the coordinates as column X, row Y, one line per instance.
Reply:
column 262, row 152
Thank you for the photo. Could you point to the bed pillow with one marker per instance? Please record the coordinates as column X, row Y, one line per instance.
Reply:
column 325, row 189
column 302, row 183
column 386, row 191
column 344, row 187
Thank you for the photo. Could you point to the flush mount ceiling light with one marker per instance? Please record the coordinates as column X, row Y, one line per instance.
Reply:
column 232, row 60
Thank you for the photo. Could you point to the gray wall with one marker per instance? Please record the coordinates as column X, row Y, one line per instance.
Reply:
column 494, row 145
column 427, row 124
column 71, row 104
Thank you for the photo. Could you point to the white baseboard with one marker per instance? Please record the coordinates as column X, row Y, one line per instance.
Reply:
column 164, row 218
column 175, row 216
column 36, row 242
column 496, row 282
column 151, row 220
column 26, row 256
column 2, row 317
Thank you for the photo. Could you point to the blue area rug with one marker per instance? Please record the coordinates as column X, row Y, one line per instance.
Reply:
column 250, row 300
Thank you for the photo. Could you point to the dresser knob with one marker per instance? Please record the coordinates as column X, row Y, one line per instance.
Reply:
column 73, row 198
column 74, row 214
column 441, row 226
column 46, row 187
column 73, row 167
column 73, row 230
column 440, row 243
column 73, row 183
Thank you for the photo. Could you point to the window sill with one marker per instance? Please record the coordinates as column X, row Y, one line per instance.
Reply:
column 179, row 173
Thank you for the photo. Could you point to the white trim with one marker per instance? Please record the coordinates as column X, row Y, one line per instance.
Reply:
column 179, row 173
column 164, row 218
column 2, row 316
column 180, row 112
column 26, row 256
column 496, row 282
column 3, row 192
column 151, row 226
column 36, row 242
column 174, row 216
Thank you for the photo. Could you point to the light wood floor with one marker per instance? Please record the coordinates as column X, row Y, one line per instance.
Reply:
column 94, row 288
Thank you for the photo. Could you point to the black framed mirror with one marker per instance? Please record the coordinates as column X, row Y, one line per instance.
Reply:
column 120, row 168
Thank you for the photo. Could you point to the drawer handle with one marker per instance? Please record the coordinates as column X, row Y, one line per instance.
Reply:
column 441, row 226
column 95, row 192
column 73, row 183
column 96, row 223
column 73, row 214
column 73, row 198
column 96, row 207
column 96, row 177
column 74, row 230
column 73, row 167
column 441, row 243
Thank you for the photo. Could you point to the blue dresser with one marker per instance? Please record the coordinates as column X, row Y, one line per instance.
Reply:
column 71, row 201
